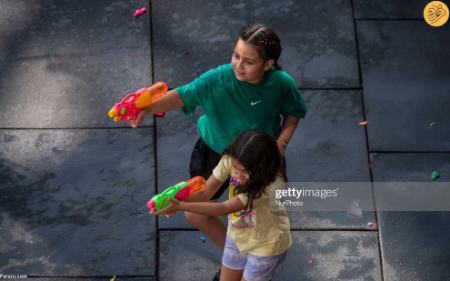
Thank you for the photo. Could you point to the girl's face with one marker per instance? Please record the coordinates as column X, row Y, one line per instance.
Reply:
column 239, row 171
column 248, row 66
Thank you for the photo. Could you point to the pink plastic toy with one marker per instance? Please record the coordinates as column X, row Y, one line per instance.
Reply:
column 140, row 12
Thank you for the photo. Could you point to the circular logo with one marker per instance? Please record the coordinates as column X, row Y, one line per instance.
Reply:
column 436, row 13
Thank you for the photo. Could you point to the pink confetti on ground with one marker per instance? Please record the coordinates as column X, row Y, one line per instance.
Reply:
column 363, row 123
column 140, row 12
column 311, row 261
column 371, row 224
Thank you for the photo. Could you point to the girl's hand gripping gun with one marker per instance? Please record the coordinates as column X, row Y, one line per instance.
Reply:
column 130, row 106
column 181, row 191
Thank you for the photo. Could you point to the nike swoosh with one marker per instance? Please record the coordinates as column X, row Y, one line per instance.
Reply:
column 254, row 103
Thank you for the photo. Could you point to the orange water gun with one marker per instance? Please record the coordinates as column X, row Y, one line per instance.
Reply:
column 129, row 107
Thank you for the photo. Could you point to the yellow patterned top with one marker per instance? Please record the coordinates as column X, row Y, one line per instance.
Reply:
column 262, row 231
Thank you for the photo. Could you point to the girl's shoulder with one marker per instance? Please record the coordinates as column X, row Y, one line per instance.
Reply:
column 217, row 72
column 276, row 184
column 225, row 162
column 281, row 76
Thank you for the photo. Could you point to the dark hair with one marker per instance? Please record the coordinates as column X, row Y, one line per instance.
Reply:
column 258, row 152
column 265, row 40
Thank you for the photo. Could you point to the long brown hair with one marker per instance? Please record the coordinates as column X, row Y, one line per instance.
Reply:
column 258, row 152
column 265, row 40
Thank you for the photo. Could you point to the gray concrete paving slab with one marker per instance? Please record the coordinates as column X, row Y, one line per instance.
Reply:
column 332, row 255
column 193, row 37
column 183, row 256
column 73, row 202
column 412, row 167
column 314, row 255
column 118, row 278
column 65, row 63
column 394, row 9
column 329, row 143
column 413, row 243
column 356, row 219
column 405, row 75
column 329, row 146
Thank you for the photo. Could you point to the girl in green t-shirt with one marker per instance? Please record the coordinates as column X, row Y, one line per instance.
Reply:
column 258, row 94
column 258, row 234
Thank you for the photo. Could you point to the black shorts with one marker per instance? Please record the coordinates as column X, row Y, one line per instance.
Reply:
column 203, row 162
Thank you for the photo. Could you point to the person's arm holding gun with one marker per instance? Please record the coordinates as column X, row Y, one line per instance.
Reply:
column 168, row 102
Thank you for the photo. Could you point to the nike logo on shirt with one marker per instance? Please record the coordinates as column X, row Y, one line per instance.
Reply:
column 255, row 102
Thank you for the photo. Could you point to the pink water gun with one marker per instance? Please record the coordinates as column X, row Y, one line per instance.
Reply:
column 180, row 191
column 129, row 107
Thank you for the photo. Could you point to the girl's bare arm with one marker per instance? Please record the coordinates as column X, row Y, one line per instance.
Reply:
column 290, row 124
column 212, row 185
column 207, row 208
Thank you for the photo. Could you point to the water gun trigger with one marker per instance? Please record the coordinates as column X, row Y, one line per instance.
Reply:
column 148, row 95
column 163, row 203
column 169, row 193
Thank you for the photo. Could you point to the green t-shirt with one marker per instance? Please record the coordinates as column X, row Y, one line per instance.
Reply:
column 231, row 106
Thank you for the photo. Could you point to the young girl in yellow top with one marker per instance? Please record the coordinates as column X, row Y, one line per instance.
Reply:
column 258, row 235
